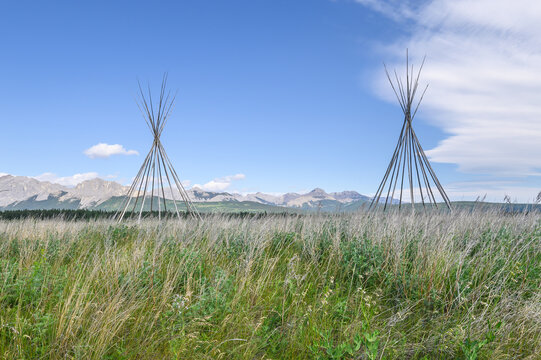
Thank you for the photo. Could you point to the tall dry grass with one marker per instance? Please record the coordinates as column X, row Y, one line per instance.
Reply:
column 369, row 286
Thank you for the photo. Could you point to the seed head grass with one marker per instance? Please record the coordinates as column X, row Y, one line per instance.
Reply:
column 361, row 286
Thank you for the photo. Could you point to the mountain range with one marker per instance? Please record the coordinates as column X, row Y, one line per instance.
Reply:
column 20, row 192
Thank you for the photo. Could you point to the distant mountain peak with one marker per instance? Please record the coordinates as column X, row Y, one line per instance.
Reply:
column 349, row 196
column 19, row 188
column 95, row 181
column 98, row 184
column 32, row 193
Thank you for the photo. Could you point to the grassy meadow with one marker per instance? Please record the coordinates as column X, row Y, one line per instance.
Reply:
column 351, row 286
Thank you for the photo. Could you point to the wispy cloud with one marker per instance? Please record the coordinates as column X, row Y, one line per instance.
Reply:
column 488, row 190
column 494, row 191
column 103, row 150
column 398, row 10
column 220, row 184
column 72, row 180
column 484, row 67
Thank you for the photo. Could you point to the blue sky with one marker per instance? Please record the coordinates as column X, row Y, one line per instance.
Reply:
column 273, row 96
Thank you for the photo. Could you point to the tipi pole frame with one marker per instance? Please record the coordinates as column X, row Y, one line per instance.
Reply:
column 157, row 165
column 409, row 161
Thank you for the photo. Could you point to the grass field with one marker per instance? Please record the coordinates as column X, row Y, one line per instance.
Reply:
column 358, row 286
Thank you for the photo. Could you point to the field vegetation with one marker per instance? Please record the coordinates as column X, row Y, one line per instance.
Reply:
column 350, row 286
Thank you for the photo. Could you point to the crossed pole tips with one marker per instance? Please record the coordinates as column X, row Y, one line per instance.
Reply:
column 409, row 160
column 157, row 182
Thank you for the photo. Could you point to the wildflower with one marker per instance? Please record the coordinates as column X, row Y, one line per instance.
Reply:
column 180, row 303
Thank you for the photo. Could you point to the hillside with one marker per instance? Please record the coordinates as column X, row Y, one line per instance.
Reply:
column 19, row 193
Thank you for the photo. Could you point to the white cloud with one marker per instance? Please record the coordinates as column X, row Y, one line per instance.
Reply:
column 484, row 67
column 66, row 180
column 489, row 190
column 103, row 150
column 220, row 184
column 395, row 9
column 493, row 191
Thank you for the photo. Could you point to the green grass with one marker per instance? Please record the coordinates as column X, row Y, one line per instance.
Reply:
column 362, row 286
